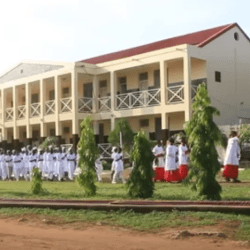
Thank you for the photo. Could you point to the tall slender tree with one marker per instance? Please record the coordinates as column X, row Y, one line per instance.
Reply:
column 203, row 135
column 140, row 183
column 88, row 152
column 122, row 126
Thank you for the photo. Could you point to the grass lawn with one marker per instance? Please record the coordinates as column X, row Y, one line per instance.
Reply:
column 240, row 224
column 163, row 191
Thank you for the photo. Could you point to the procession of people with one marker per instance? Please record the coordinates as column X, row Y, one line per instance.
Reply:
column 171, row 165
column 54, row 164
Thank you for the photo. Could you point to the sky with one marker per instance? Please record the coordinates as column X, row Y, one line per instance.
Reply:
column 73, row 30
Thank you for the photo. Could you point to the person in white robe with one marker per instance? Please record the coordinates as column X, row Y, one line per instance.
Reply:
column 50, row 163
column 118, row 159
column 183, row 157
column 171, row 171
column 32, row 162
column 232, row 157
column 8, row 160
column 60, row 167
column 71, row 158
column 3, row 166
column 17, row 165
column 99, row 169
column 26, row 165
column 158, row 164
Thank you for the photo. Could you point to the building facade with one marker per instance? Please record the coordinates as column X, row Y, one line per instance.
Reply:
column 151, row 86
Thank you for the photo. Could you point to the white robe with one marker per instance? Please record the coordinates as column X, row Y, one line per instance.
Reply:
column 170, row 163
column 233, row 152
column 156, row 151
column 182, row 155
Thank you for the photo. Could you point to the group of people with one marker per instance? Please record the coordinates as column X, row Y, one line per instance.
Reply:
column 54, row 164
column 175, row 168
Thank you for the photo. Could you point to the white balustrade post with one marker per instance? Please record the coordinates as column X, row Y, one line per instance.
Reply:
column 74, row 88
column 57, row 102
column 95, row 94
column 42, row 107
column 27, row 104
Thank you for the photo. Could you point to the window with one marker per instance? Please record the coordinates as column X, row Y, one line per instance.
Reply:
column 157, row 78
column 143, row 81
column 217, row 76
column 143, row 76
column 144, row 123
column 52, row 95
column 65, row 92
column 236, row 36
column 34, row 98
column 52, row 132
column 103, row 88
column 123, row 85
column 21, row 71
column 66, row 130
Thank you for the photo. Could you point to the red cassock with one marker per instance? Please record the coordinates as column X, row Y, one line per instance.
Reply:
column 172, row 175
column 159, row 174
column 183, row 170
column 230, row 171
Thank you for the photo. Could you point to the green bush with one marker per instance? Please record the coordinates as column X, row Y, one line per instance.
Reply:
column 203, row 135
column 140, row 183
column 36, row 187
column 88, row 152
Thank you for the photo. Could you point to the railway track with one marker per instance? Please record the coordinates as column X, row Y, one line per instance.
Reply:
column 136, row 205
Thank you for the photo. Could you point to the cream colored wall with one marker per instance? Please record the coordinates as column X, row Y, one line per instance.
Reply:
column 232, row 59
column 50, row 126
column 175, row 71
column 198, row 69
column 176, row 121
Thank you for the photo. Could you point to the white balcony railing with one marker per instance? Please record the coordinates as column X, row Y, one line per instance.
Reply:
column 145, row 98
column 194, row 91
column 175, row 94
column 85, row 104
column 66, row 105
column 50, row 107
column 105, row 150
column 104, row 104
column 35, row 109
column 9, row 112
column 21, row 112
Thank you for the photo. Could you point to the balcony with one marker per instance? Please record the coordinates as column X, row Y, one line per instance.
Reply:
column 35, row 109
column 85, row 104
column 175, row 94
column 21, row 112
column 66, row 105
column 139, row 99
column 50, row 107
column 9, row 114
column 104, row 104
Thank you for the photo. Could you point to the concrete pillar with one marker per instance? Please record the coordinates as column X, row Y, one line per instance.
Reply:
column 163, row 82
column 112, row 123
column 27, row 100
column 164, row 128
column 57, row 103
column 74, row 94
column 3, row 114
column 187, row 86
column 113, row 87
column 95, row 94
column 15, row 98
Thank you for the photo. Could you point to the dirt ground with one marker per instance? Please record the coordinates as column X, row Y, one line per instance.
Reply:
column 36, row 232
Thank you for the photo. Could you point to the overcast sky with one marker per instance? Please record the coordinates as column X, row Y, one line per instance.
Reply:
column 71, row 30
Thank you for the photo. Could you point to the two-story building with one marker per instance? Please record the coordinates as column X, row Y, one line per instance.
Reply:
column 152, row 86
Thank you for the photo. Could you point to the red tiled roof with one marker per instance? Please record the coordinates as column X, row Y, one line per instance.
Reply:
column 200, row 38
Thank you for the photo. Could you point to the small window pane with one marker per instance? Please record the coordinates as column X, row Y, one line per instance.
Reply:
column 217, row 76
column 144, row 123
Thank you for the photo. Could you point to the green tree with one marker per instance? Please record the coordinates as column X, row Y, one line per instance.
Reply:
column 36, row 187
column 88, row 152
column 140, row 183
column 203, row 135
column 244, row 133
column 122, row 125
column 49, row 141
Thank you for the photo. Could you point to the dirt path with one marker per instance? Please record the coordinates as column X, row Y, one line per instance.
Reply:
column 28, row 234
